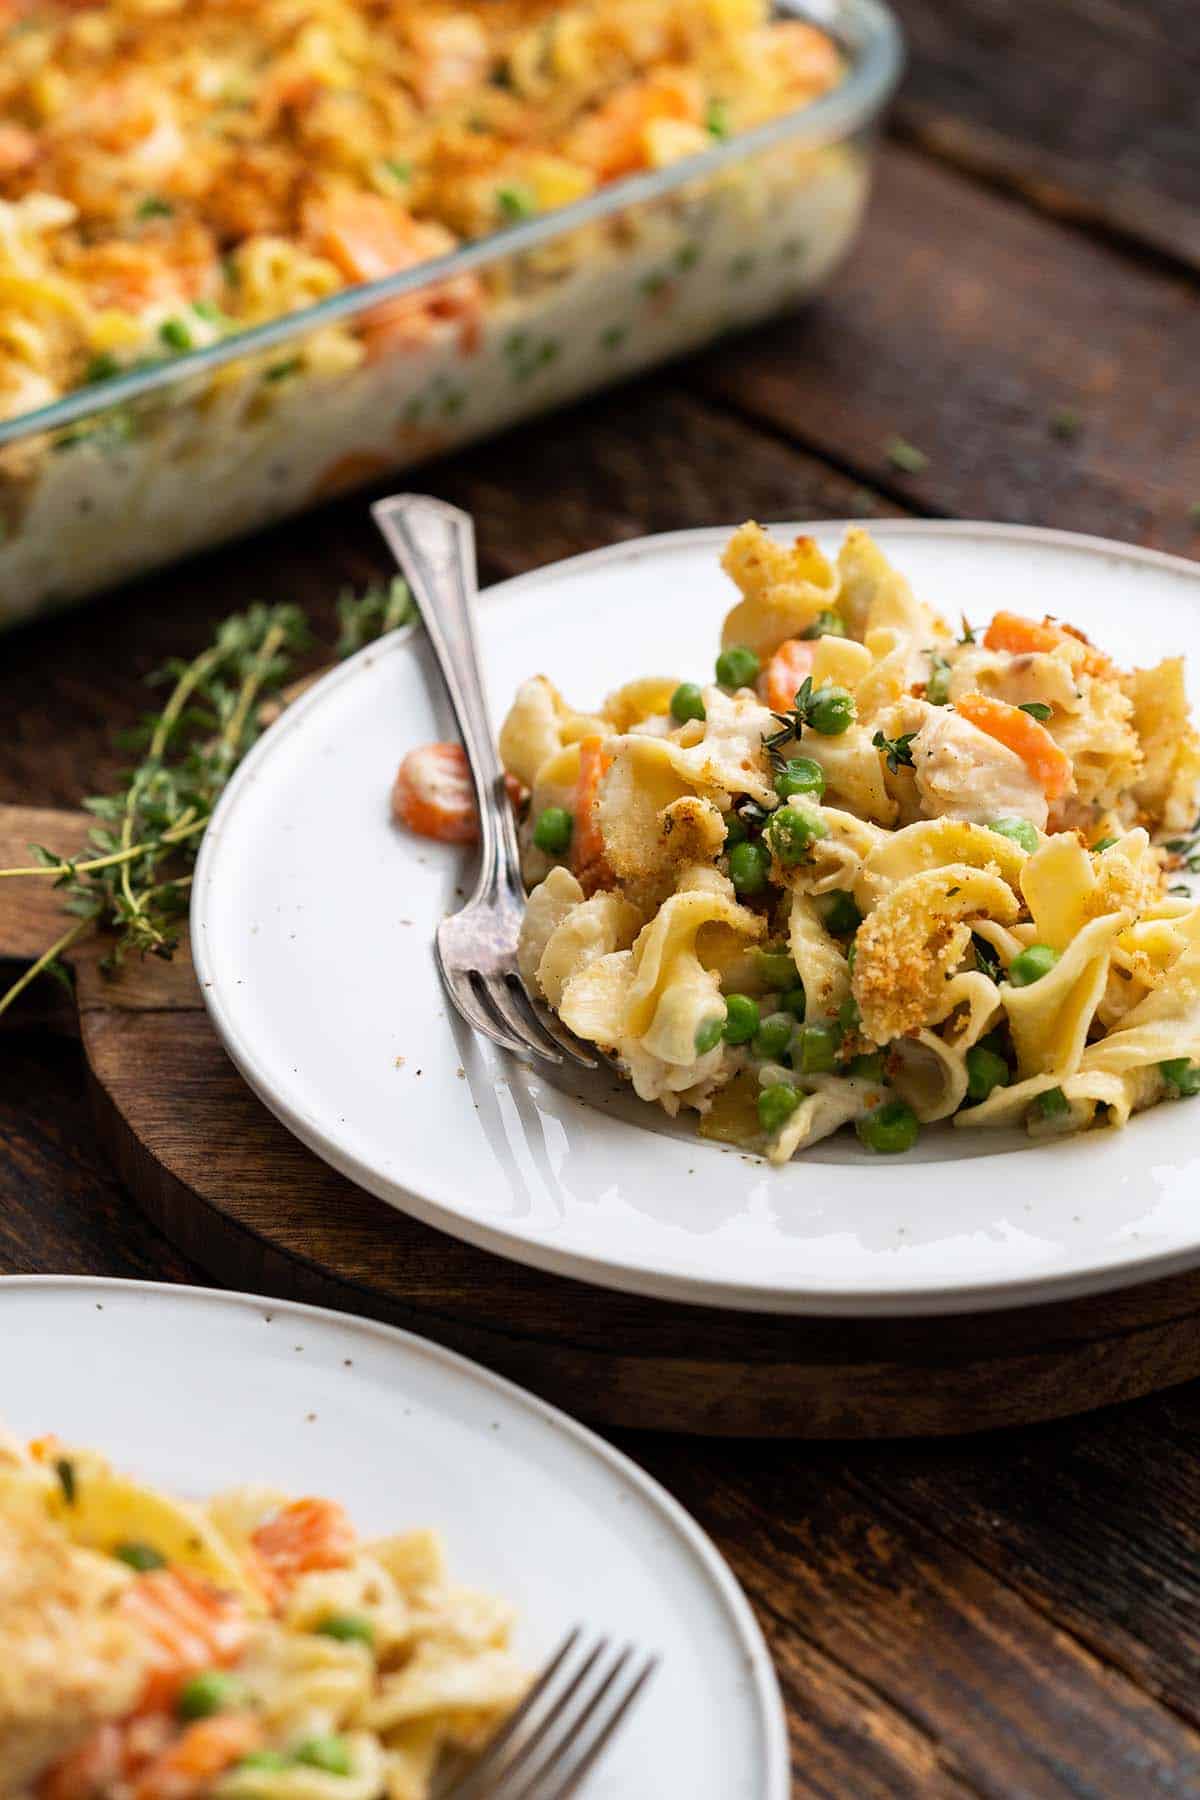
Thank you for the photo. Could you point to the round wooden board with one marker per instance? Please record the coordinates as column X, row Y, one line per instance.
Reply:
column 224, row 1180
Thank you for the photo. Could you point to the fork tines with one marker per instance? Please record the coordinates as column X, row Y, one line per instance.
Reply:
column 544, row 1749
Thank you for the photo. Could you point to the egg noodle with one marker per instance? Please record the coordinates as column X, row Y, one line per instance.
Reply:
column 881, row 872
column 250, row 1648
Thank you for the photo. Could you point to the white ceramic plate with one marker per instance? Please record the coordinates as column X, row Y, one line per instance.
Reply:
column 313, row 919
column 199, row 1390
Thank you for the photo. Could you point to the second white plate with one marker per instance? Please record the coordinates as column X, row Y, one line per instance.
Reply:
column 312, row 928
column 197, row 1391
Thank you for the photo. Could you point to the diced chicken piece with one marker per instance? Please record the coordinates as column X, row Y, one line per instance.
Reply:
column 961, row 772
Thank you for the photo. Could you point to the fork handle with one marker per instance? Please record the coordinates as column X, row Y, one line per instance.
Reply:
column 434, row 545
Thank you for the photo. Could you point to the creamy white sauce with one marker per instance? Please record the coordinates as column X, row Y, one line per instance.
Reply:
column 209, row 462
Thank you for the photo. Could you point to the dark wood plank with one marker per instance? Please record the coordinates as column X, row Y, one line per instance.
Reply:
column 1013, row 1704
column 1128, row 1585
column 963, row 323
column 62, row 1209
column 1089, row 108
column 846, row 1737
column 649, row 459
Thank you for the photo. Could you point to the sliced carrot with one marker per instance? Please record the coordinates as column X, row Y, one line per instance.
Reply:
column 612, row 140
column 186, row 1625
column 433, row 795
column 110, row 1758
column 185, row 1770
column 365, row 235
column 18, row 148
column 1014, row 632
column 587, row 840
column 785, row 672
column 369, row 237
column 806, row 56
column 1019, row 731
column 304, row 1535
column 90, row 1770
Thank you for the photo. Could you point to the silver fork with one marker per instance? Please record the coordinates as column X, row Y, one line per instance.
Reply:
column 544, row 1749
column 475, row 947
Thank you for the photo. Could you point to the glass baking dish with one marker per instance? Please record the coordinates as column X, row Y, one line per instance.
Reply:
column 132, row 472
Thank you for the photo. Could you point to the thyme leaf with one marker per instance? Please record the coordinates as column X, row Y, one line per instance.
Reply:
column 898, row 750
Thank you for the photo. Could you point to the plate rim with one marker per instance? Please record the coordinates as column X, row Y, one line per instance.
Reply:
column 605, row 1270
column 764, row 1690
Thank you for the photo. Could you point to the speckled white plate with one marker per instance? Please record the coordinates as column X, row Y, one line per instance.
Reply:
column 312, row 929
column 200, row 1390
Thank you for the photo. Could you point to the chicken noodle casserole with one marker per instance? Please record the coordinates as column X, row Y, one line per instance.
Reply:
column 173, row 173
column 882, row 871
column 252, row 1648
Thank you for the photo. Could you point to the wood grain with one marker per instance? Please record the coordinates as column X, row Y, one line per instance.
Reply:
column 1128, row 1587
column 1088, row 108
column 996, row 1687
column 963, row 323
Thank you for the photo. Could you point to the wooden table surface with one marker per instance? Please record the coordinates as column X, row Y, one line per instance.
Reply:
column 1014, row 1615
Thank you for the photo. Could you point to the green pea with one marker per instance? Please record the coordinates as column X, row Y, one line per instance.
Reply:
column 175, row 334
column 1103, row 845
column 212, row 1691
column 329, row 1753
column 839, row 912
column 687, row 702
column 849, row 1016
column 794, row 1000
column 1019, row 830
column 1181, row 1074
column 815, row 1049
column 985, row 1071
column 347, row 1628
column 708, row 1035
column 792, row 833
column 552, row 833
column 800, row 776
column 749, row 866
column 827, row 623
column 890, row 1129
column 737, row 667
column 776, row 1105
column 773, row 1036
column 735, row 831
column 1031, row 964
column 937, row 688
column 777, row 970
column 141, row 1557
column 1053, row 1104
column 868, row 1067
column 272, row 1760
column 741, row 1018
column 831, row 711
column 515, row 203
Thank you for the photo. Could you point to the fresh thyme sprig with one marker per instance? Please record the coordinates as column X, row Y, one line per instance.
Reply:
column 133, row 879
column 380, row 608
column 898, row 750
